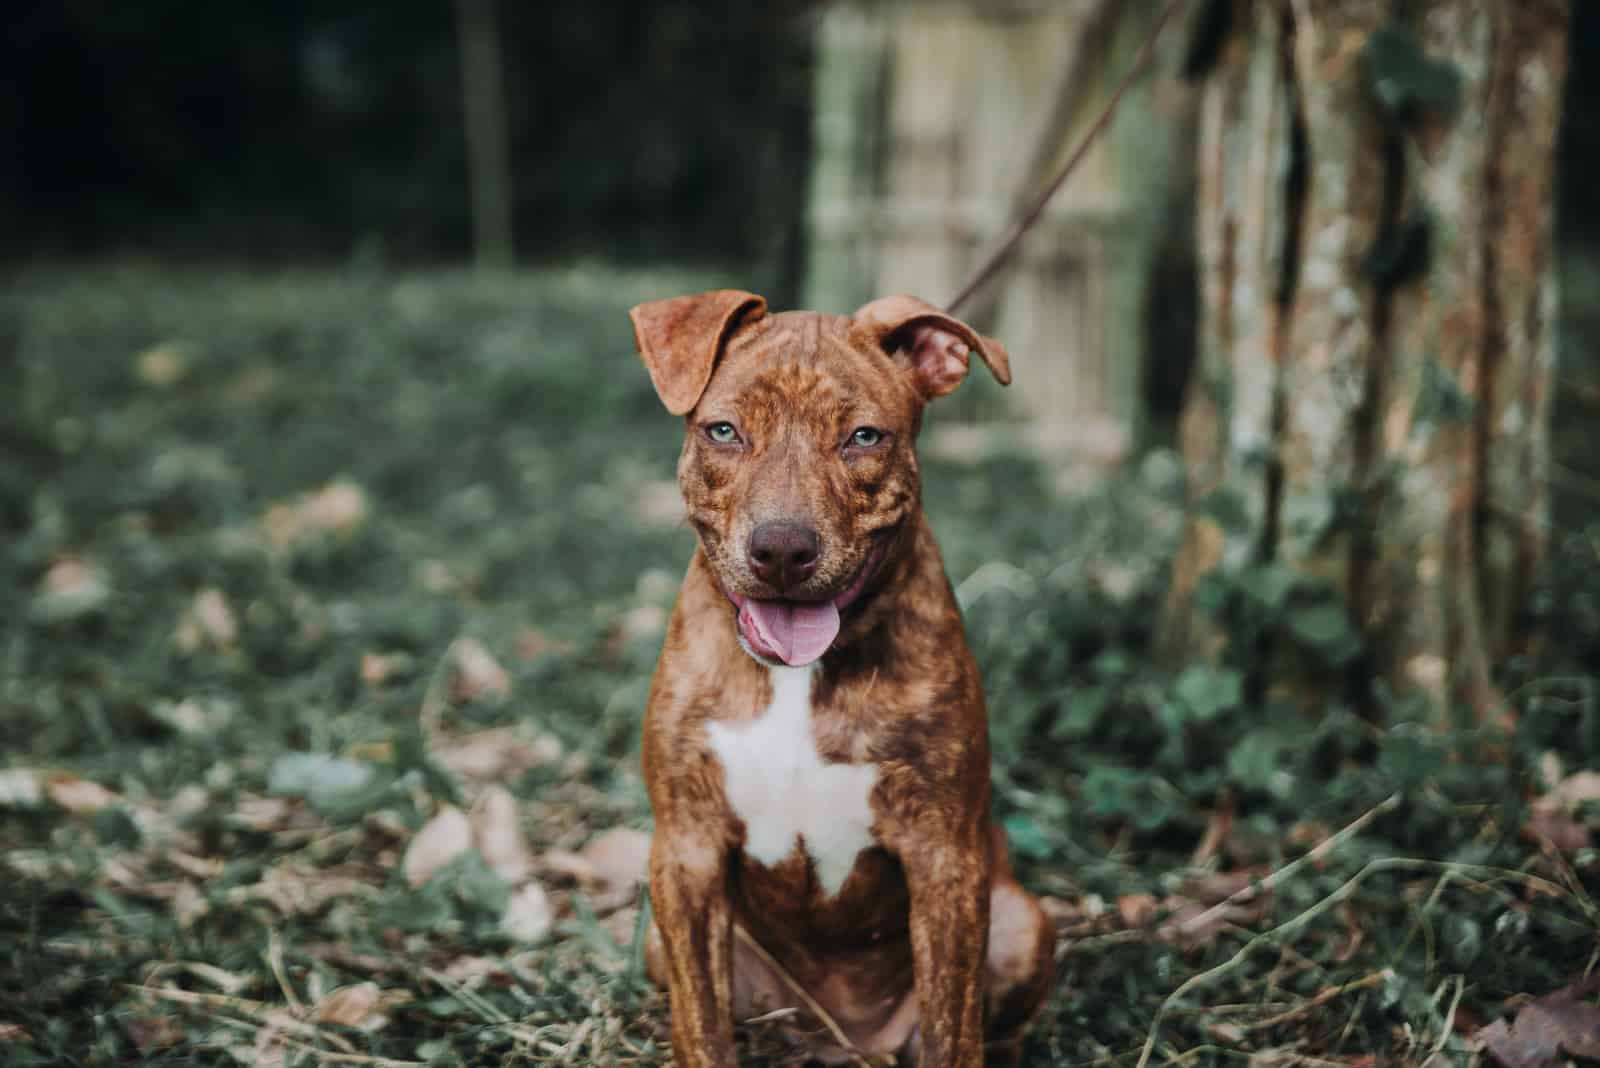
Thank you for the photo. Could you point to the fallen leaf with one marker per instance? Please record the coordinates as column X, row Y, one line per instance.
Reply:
column 1136, row 910
column 497, row 832
column 11, row 1032
column 336, row 510
column 477, row 673
column 1548, row 1030
column 21, row 788
column 441, row 840
column 1576, row 788
column 79, row 796
column 209, row 623
column 301, row 890
column 194, row 716
column 614, row 864
column 498, row 753
column 162, row 365
column 659, row 503
column 149, row 1033
column 379, row 668
column 71, row 589
column 528, row 916
column 351, row 1006
column 1557, row 827
column 642, row 622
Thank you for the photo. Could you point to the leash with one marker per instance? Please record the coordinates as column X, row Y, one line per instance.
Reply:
column 1008, row 244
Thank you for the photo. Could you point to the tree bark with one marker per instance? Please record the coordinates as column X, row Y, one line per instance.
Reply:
column 1367, row 429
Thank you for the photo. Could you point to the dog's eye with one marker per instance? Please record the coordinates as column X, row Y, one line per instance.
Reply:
column 722, row 433
column 866, row 436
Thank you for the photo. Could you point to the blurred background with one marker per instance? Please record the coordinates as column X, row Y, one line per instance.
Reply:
column 333, row 496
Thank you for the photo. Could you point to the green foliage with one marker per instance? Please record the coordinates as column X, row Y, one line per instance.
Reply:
column 1405, row 80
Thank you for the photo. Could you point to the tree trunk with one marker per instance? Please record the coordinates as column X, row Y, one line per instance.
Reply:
column 1366, row 433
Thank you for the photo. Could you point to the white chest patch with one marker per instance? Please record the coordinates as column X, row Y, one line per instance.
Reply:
column 781, row 789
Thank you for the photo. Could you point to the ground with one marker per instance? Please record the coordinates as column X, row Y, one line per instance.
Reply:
column 315, row 580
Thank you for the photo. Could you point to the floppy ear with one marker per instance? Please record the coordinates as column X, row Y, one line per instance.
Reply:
column 680, row 339
column 936, row 343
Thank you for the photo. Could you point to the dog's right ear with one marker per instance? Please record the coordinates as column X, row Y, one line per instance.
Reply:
column 680, row 339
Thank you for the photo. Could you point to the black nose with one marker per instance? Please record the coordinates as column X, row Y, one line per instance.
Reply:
column 783, row 553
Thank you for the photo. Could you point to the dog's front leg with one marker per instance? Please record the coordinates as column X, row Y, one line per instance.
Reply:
column 689, row 893
column 949, row 884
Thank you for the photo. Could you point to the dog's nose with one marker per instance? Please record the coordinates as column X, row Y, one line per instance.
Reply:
column 784, row 553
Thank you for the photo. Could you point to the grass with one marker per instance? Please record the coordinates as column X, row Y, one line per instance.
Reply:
column 258, row 528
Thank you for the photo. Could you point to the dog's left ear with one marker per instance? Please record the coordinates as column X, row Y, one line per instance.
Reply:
column 936, row 343
column 680, row 339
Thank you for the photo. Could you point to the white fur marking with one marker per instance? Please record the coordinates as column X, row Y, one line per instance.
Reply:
column 778, row 785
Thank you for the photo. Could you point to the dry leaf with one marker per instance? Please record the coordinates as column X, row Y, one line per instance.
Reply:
column 352, row 1006
column 209, row 623
column 659, row 504
column 441, row 840
column 497, row 832
column 149, row 1033
column 528, row 916
column 1548, row 1030
column 1576, row 788
column 72, row 588
column 615, row 863
column 336, row 510
column 1136, row 910
column 79, row 796
column 1557, row 827
column 12, row 1032
column 477, row 673
column 379, row 668
column 497, row 753
column 162, row 365
column 21, row 788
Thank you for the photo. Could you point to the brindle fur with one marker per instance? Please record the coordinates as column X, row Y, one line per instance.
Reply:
column 930, row 940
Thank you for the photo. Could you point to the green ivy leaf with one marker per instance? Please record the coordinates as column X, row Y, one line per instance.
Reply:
column 1405, row 80
column 1209, row 691
column 1227, row 507
column 1409, row 757
column 1257, row 763
column 1082, row 712
column 1026, row 838
column 1440, row 398
column 1326, row 630
column 1267, row 585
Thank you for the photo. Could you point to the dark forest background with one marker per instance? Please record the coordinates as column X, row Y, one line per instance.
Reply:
column 321, row 130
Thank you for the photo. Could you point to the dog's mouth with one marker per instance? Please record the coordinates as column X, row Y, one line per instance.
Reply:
column 797, row 632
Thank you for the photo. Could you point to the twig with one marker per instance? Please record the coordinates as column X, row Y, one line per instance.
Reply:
column 486, row 1011
column 258, row 1011
column 1261, row 886
column 865, row 1060
column 1320, row 999
column 1003, row 250
column 275, row 962
column 1342, row 893
column 1450, row 1017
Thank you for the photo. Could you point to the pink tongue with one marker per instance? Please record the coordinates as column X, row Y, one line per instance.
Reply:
column 796, row 632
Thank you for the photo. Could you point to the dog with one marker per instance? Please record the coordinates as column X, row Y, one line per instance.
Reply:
column 816, row 744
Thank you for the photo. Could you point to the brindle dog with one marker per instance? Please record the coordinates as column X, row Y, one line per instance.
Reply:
column 816, row 746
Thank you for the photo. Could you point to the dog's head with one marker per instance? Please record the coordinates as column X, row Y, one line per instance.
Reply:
column 798, row 467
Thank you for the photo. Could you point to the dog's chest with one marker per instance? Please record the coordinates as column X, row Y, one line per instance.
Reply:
column 787, row 797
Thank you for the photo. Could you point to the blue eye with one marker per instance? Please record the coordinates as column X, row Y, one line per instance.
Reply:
column 722, row 433
column 866, row 436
